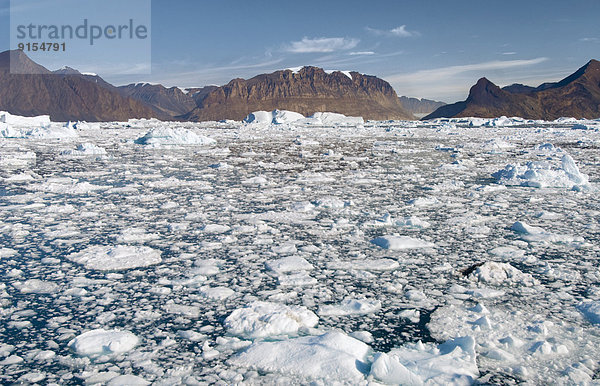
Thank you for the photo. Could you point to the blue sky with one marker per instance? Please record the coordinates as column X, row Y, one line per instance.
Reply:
column 431, row 49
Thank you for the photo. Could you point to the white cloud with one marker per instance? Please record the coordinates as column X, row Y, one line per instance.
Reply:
column 400, row 31
column 452, row 83
column 361, row 53
column 448, row 72
column 307, row 45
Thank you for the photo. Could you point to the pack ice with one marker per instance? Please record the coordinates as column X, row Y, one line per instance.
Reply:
column 299, row 250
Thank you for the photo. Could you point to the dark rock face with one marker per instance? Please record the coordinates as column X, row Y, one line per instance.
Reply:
column 198, row 94
column 307, row 91
column 64, row 97
column 420, row 106
column 169, row 101
column 578, row 96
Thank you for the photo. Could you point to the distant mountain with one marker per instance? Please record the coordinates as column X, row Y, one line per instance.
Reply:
column 199, row 93
column 517, row 88
column 578, row 96
column 420, row 107
column 88, row 76
column 171, row 101
column 306, row 91
column 64, row 96
column 67, row 94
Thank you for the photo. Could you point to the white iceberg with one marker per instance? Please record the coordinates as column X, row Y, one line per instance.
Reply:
column 400, row 242
column 542, row 174
column 167, row 136
column 275, row 117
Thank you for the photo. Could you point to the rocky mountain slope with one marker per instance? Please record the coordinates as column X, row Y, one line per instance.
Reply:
column 420, row 107
column 171, row 101
column 64, row 97
column 306, row 91
column 578, row 95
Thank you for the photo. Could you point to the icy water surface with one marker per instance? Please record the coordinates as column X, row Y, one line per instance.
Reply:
column 249, row 258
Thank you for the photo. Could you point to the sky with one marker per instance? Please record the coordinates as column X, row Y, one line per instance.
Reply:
column 425, row 49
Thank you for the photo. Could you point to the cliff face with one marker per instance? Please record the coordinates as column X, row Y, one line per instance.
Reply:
column 420, row 107
column 307, row 91
column 62, row 96
column 171, row 101
column 578, row 96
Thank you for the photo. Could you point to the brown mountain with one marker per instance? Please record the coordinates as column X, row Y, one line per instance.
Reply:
column 37, row 91
column 199, row 93
column 420, row 107
column 307, row 91
column 578, row 96
column 171, row 101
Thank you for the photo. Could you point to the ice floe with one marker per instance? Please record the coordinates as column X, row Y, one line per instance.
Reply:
column 350, row 307
column 501, row 274
column 103, row 342
column 450, row 363
column 331, row 357
column 264, row 319
column 395, row 243
column 85, row 149
column 120, row 257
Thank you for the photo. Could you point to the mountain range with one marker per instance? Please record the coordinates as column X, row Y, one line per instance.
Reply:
column 63, row 96
column 420, row 107
column 577, row 95
column 67, row 94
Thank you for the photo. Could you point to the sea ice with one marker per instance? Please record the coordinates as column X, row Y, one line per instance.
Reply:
column 332, row 119
column 127, row 380
column 542, row 174
column 289, row 264
column 85, row 149
column 501, row 274
column 350, row 307
column 167, row 136
column 264, row 319
column 536, row 234
column 103, row 342
column 591, row 310
column 120, row 257
column 36, row 286
column 400, row 242
column 273, row 117
column 450, row 363
column 331, row 357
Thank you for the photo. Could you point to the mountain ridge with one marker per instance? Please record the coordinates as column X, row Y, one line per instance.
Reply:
column 35, row 90
column 305, row 91
column 577, row 95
